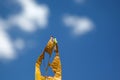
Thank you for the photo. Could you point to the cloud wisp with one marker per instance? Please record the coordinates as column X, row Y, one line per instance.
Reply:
column 79, row 25
column 6, row 47
column 32, row 17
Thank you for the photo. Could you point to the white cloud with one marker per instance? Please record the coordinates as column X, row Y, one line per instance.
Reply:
column 79, row 25
column 32, row 15
column 6, row 47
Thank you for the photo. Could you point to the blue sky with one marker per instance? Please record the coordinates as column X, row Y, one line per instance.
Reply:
column 87, row 32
